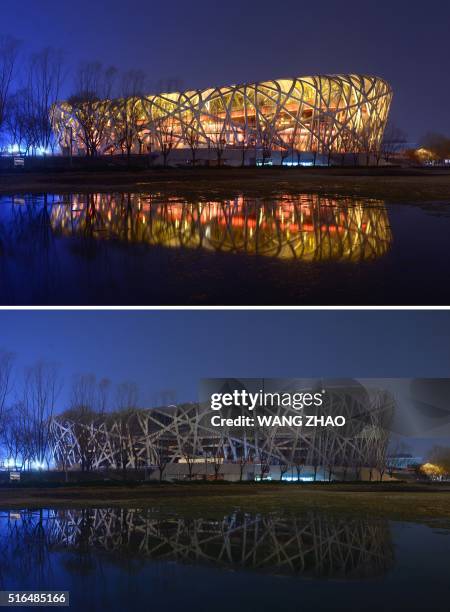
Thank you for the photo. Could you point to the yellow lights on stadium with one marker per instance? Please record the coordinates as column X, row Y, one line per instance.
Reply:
column 322, row 114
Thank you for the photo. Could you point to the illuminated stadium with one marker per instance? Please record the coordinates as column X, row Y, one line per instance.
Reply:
column 179, row 442
column 305, row 118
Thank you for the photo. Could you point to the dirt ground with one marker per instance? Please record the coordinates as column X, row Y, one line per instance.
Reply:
column 393, row 184
column 399, row 502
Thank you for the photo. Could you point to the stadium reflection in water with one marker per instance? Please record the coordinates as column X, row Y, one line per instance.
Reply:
column 140, row 559
column 154, row 249
column 309, row 227
column 312, row 545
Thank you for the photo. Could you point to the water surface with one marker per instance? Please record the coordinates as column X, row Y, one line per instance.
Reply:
column 119, row 559
column 150, row 249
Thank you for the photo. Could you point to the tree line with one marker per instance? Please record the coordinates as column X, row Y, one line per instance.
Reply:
column 28, row 90
column 31, row 85
column 29, row 401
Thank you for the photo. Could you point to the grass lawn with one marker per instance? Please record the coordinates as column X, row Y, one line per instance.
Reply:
column 393, row 184
column 393, row 501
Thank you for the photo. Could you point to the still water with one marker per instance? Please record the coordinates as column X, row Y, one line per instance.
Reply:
column 119, row 559
column 145, row 249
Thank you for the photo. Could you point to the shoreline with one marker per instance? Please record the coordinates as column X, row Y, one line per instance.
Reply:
column 396, row 185
column 395, row 502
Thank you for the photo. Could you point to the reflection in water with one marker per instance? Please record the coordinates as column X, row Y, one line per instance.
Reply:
column 308, row 227
column 312, row 545
column 146, row 249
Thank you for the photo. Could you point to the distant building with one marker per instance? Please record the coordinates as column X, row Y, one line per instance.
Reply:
column 403, row 461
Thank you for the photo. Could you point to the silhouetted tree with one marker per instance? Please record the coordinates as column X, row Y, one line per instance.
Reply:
column 438, row 144
column 165, row 135
column 191, row 136
column 127, row 112
column 9, row 49
column 41, row 388
column 394, row 139
column 45, row 78
column 91, row 106
column 6, row 368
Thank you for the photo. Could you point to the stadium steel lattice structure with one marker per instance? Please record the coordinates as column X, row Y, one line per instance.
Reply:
column 322, row 114
column 183, row 436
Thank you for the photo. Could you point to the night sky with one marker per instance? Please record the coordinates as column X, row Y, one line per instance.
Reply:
column 162, row 350
column 210, row 43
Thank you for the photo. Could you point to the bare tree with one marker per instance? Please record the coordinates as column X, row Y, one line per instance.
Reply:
column 127, row 396
column 127, row 112
column 298, row 459
column 244, row 455
column 191, row 136
column 45, row 78
column 368, row 143
column 12, row 435
column 440, row 457
column 218, row 455
column 9, row 49
column 284, row 467
column 84, row 391
column 264, row 464
column 189, row 455
column 162, row 454
column 247, row 141
column 328, row 441
column 127, row 404
column 217, row 140
column 91, row 106
column 265, row 139
column 83, row 412
column 296, row 143
column 438, row 145
column 17, row 121
column 6, row 366
column 41, row 389
column 299, row 465
column 297, row 455
column 104, row 387
column 166, row 136
column 394, row 140
column 330, row 148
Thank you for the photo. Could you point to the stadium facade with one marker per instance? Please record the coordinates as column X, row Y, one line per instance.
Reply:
column 292, row 118
column 181, row 441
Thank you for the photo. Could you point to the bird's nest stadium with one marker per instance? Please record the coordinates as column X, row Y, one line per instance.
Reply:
column 181, row 441
column 320, row 115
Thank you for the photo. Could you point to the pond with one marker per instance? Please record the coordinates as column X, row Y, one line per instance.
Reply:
column 118, row 559
column 152, row 249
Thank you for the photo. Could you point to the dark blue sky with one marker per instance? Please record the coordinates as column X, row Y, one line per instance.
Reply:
column 174, row 349
column 204, row 43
